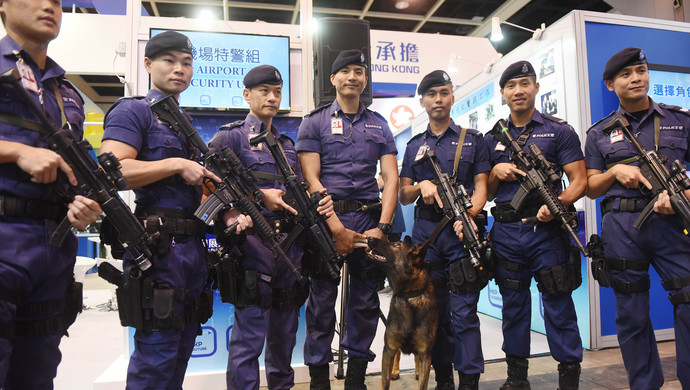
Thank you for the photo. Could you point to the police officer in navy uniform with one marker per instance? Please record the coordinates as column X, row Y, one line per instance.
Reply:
column 36, row 278
column 660, row 241
column 339, row 146
column 522, row 250
column 274, row 317
column 161, row 169
column 458, row 342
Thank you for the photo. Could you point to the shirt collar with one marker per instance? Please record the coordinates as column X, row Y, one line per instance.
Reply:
column 9, row 46
column 255, row 124
column 452, row 129
column 536, row 117
column 335, row 107
column 653, row 106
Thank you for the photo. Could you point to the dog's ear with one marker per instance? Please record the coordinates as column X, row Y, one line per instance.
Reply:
column 420, row 249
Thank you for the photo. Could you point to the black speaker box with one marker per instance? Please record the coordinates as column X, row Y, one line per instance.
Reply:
column 334, row 36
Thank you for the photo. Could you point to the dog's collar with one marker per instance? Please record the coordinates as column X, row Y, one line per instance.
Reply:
column 412, row 294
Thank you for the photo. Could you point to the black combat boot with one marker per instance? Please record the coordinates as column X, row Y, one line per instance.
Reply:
column 444, row 377
column 517, row 374
column 320, row 377
column 468, row 381
column 354, row 377
column 569, row 376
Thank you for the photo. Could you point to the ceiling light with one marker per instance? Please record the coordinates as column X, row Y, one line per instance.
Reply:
column 497, row 34
column 402, row 4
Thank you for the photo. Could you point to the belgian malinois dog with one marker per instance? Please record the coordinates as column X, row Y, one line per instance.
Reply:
column 413, row 315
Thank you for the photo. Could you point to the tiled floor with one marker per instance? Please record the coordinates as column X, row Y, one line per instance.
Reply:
column 98, row 340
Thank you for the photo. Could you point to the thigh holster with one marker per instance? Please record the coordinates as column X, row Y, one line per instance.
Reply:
column 622, row 265
column 511, row 284
column 464, row 278
column 237, row 285
column 146, row 306
column 291, row 298
column 562, row 278
column 40, row 318
column 677, row 284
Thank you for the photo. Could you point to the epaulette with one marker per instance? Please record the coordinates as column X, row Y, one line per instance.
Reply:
column 290, row 139
column 379, row 115
column 120, row 100
column 414, row 137
column 69, row 84
column 600, row 120
column 230, row 126
column 675, row 108
column 317, row 109
column 554, row 119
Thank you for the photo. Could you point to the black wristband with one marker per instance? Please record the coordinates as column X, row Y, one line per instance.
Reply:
column 386, row 228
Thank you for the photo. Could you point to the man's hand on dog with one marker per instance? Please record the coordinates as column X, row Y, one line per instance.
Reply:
column 429, row 193
column 345, row 240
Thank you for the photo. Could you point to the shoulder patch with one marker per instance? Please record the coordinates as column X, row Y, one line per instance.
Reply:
column 675, row 108
column 288, row 138
column 554, row 119
column 600, row 120
column 230, row 126
column 317, row 109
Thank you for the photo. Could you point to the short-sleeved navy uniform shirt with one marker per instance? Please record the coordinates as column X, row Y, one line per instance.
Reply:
column 131, row 121
column 602, row 149
column 474, row 157
column 14, row 181
column 349, row 156
column 558, row 142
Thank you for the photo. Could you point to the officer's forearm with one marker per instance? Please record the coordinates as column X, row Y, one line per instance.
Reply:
column 492, row 186
column 389, row 197
column 480, row 192
column 10, row 151
column 409, row 192
column 140, row 173
column 599, row 182
column 577, row 176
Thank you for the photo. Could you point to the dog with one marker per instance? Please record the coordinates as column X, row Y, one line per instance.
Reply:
column 413, row 315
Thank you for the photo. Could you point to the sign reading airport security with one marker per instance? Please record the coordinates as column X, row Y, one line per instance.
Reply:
column 221, row 60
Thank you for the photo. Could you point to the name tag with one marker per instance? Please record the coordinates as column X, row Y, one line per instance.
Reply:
column 28, row 79
column 257, row 147
column 499, row 147
column 336, row 125
column 421, row 151
column 616, row 136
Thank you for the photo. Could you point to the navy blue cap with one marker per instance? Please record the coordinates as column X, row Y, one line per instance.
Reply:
column 515, row 71
column 262, row 74
column 168, row 40
column 348, row 57
column 626, row 57
column 437, row 78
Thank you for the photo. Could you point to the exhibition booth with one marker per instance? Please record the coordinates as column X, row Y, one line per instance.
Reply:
column 569, row 58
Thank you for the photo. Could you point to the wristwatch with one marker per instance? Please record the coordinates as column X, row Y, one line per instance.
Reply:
column 385, row 227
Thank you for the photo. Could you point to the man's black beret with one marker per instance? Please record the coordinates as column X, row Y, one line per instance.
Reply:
column 437, row 78
column 516, row 71
column 348, row 57
column 262, row 74
column 626, row 57
column 169, row 40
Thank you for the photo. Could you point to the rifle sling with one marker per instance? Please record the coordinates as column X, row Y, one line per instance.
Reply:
column 458, row 151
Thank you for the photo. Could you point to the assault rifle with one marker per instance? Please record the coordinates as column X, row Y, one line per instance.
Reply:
column 307, row 216
column 675, row 182
column 237, row 186
column 456, row 203
column 539, row 176
column 100, row 183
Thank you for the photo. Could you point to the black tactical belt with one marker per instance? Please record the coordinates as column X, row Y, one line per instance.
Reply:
column 349, row 206
column 177, row 222
column 626, row 205
column 14, row 207
column 429, row 214
column 504, row 213
column 143, row 212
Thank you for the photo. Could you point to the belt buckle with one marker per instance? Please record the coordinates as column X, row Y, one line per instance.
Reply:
column 362, row 206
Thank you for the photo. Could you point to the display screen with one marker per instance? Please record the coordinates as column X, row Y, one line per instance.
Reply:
column 670, row 84
column 220, row 62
